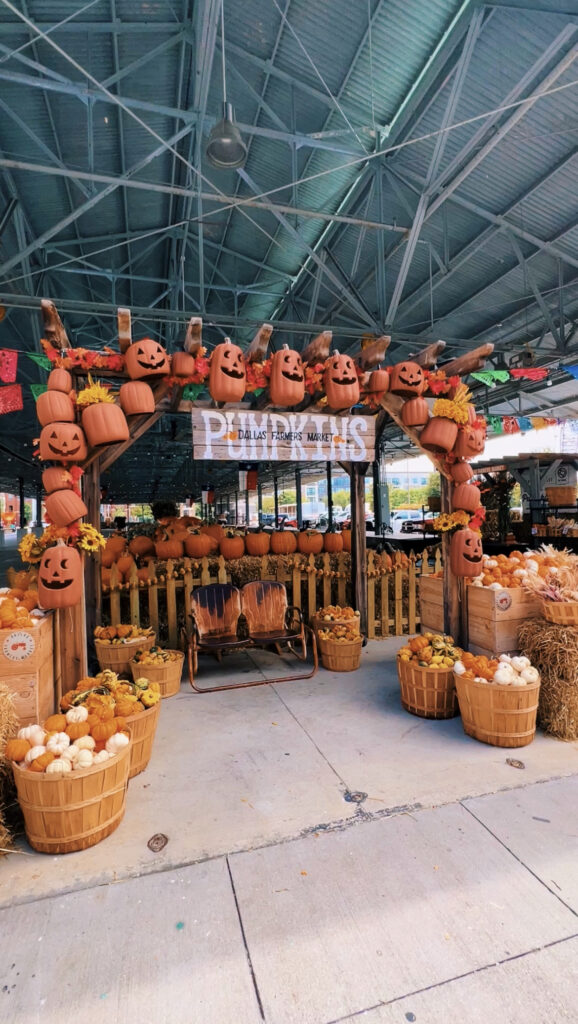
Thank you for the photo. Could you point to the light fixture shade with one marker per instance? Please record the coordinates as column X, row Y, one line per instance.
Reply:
column 226, row 148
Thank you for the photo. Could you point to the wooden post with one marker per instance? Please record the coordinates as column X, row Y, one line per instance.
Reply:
column 299, row 498
column 38, row 505
column 91, row 490
column 22, row 522
column 357, row 471
column 377, row 520
column 451, row 593
column 330, row 497
column 276, row 497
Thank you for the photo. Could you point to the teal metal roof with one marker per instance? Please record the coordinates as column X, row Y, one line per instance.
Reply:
column 107, row 199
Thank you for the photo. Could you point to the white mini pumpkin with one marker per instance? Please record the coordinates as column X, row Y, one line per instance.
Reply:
column 103, row 755
column 79, row 714
column 58, row 743
column 530, row 675
column 71, row 752
column 85, row 743
column 115, row 744
column 520, row 662
column 83, row 759
column 59, row 766
column 34, row 752
column 459, row 668
column 35, row 735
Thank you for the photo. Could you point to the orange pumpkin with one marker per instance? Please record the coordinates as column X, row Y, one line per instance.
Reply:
column 107, row 559
column 139, row 546
column 146, row 358
column 41, row 763
column 53, row 407
column 16, row 750
column 283, row 542
column 258, row 543
column 56, row 479
column 346, row 538
column 378, row 383
column 104, row 423
column 287, row 381
column 63, row 442
column 469, row 442
column 169, row 549
column 232, row 546
column 466, row 553
column 213, row 530
column 466, row 497
column 183, row 364
column 333, row 542
column 414, row 412
column 65, row 507
column 227, row 376
column 137, row 398
column 124, row 565
column 199, row 545
column 55, row 723
column 407, row 380
column 60, row 380
column 59, row 577
column 439, row 434
column 340, row 381
column 310, row 542
column 116, row 544
column 77, row 729
column 102, row 731
column 461, row 472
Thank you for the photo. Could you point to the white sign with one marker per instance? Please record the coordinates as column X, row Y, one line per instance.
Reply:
column 239, row 436
column 18, row 645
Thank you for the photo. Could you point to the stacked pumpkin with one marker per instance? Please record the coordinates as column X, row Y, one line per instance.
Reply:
column 63, row 441
column 19, row 608
column 78, row 739
column 144, row 359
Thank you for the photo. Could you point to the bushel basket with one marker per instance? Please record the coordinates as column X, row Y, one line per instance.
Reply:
column 318, row 622
column 143, row 727
column 340, row 657
column 427, row 692
column 65, row 813
column 117, row 656
column 504, row 716
column 563, row 613
column 168, row 675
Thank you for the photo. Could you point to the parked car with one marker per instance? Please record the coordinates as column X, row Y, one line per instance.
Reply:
column 420, row 525
column 404, row 515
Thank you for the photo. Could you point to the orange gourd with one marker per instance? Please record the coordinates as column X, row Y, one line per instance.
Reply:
column 414, row 412
column 101, row 731
column 183, row 364
column 53, row 407
column 56, row 479
column 65, row 507
column 55, row 723
column 104, row 423
column 120, row 724
column 16, row 750
column 107, row 559
column 41, row 763
column 60, row 380
column 461, row 472
column 227, row 376
column 77, row 729
column 439, row 434
column 287, row 380
column 378, row 383
column 136, row 398
column 466, row 497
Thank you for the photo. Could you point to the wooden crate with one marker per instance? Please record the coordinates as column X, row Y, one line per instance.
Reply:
column 27, row 669
column 494, row 616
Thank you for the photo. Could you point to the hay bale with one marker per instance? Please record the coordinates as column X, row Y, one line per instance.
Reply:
column 8, row 728
column 554, row 652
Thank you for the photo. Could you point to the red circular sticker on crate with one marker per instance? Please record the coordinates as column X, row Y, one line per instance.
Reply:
column 18, row 645
column 503, row 601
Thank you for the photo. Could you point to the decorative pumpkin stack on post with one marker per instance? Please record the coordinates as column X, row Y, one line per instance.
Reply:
column 340, row 382
column 287, row 381
column 61, row 439
column 227, row 377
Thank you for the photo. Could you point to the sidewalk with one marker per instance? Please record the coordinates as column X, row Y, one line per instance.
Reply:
column 449, row 891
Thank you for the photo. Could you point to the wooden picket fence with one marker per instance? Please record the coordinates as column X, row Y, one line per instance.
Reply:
column 161, row 597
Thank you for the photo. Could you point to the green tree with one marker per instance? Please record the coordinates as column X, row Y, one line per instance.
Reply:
column 268, row 503
column 287, row 497
column 341, row 498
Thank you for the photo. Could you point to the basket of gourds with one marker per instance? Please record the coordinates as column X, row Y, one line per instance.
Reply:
column 71, row 785
column 498, row 698
column 164, row 668
column 116, row 645
column 425, row 668
column 336, row 615
column 340, row 647
column 111, row 699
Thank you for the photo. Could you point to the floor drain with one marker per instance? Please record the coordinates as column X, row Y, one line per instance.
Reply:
column 355, row 798
column 157, row 842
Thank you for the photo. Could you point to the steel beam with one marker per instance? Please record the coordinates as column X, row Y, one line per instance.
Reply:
column 548, row 319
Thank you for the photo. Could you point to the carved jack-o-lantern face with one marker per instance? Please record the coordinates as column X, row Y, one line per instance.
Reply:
column 227, row 374
column 59, row 577
column 341, row 382
column 407, row 379
column 466, row 553
column 287, row 382
column 63, row 442
column 470, row 442
column 146, row 358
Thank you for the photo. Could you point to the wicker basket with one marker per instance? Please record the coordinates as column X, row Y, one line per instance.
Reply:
column 565, row 495
column 427, row 692
column 167, row 675
column 143, row 727
column 563, row 613
column 504, row 716
column 340, row 657
column 64, row 813
column 117, row 656
column 319, row 623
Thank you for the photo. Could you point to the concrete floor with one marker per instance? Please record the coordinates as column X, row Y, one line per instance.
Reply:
column 449, row 891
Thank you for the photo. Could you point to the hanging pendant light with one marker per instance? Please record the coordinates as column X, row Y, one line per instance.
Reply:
column 226, row 148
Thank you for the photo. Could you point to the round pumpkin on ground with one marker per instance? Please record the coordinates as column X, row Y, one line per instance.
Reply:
column 310, row 542
column 258, row 543
column 283, row 542
column 333, row 542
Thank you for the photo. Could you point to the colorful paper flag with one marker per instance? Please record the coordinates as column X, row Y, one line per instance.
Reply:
column 11, row 399
column 572, row 370
column 37, row 390
column 495, row 424
column 8, row 365
column 40, row 360
column 491, row 377
column 530, row 372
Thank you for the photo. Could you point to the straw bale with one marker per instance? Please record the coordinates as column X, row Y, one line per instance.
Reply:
column 553, row 650
column 8, row 728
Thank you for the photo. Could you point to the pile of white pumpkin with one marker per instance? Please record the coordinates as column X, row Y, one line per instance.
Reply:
column 69, row 755
column 514, row 670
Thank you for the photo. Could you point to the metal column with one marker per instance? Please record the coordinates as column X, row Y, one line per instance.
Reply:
column 298, row 498
column 276, row 497
column 330, row 497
